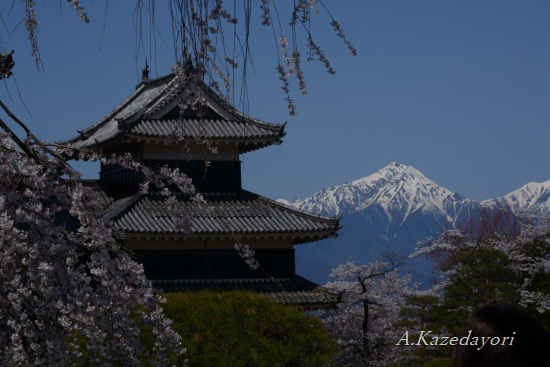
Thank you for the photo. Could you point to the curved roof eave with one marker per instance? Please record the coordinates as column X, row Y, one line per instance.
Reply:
column 148, row 99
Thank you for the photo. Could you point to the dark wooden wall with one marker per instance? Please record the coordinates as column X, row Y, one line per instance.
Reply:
column 220, row 176
column 214, row 264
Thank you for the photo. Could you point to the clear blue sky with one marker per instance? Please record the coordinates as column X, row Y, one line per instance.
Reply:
column 459, row 90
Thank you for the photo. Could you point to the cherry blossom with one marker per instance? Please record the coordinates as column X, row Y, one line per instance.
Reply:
column 363, row 322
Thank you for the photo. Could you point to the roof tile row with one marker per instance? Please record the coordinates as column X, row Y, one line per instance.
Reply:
column 239, row 213
column 213, row 129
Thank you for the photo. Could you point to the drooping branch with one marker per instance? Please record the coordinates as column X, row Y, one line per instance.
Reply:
column 217, row 34
column 26, row 147
column 18, row 141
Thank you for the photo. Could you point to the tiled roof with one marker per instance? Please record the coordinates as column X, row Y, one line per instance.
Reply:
column 145, row 95
column 238, row 213
column 212, row 129
column 295, row 291
column 139, row 115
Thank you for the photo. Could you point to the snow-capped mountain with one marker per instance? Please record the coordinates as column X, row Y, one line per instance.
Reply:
column 390, row 211
column 398, row 190
column 533, row 198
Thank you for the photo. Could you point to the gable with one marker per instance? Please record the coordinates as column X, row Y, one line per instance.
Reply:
column 201, row 113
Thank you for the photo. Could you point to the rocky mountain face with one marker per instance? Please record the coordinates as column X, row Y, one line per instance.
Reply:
column 390, row 211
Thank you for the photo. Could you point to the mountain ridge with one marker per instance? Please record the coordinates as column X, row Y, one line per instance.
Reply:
column 532, row 198
column 391, row 210
column 380, row 188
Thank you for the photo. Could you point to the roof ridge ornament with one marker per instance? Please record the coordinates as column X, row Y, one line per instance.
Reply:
column 145, row 72
column 82, row 134
column 187, row 58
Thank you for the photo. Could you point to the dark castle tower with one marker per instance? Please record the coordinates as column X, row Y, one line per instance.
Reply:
column 151, row 126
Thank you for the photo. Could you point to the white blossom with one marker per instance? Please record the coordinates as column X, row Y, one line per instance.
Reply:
column 65, row 293
column 363, row 322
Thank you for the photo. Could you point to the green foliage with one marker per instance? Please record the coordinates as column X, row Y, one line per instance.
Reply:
column 236, row 329
column 482, row 276
column 495, row 261
column 417, row 315
column 442, row 362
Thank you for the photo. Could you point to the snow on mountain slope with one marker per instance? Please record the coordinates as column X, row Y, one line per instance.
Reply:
column 390, row 211
column 398, row 190
column 532, row 198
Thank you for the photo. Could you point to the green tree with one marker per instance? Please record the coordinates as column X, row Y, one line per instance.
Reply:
column 236, row 329
column 496, row 260
column 480, row 276
column 415, row 316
